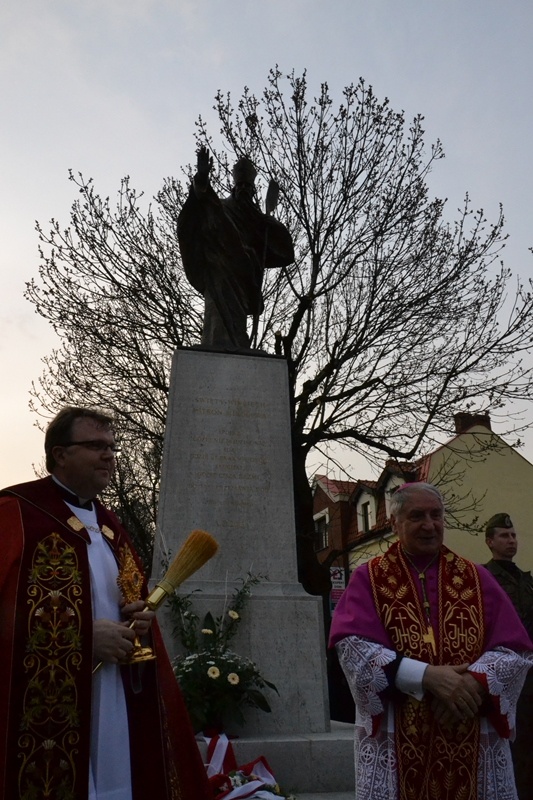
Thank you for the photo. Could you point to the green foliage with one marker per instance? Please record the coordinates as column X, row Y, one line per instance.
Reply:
column 217, row 686
column 186, row 622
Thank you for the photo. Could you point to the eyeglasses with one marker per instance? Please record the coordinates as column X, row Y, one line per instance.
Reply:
column 97, row 445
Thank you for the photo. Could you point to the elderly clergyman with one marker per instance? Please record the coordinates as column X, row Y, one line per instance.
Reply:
column 435, row 656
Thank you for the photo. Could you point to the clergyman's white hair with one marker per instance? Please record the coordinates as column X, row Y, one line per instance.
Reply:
column 403, row 492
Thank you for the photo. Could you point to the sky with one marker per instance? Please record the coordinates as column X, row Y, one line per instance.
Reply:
column 111, row 88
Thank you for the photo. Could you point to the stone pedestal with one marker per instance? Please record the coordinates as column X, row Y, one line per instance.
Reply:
column 227, row 469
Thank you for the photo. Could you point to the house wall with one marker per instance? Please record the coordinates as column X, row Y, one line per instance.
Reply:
column 495, row 480
column 368, row 549
column 322, row 501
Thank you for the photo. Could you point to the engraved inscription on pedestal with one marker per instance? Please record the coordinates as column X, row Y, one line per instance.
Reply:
column 227, row 462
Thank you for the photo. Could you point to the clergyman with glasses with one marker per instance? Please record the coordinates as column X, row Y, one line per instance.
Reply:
column 435, row 655
column 69, row 729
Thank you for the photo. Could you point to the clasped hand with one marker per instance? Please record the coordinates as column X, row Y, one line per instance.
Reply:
column 113, row 641
column 457, row 696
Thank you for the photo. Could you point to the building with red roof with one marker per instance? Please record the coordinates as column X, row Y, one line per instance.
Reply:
column 478, row 473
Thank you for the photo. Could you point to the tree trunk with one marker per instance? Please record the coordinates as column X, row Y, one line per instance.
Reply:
column 314, row 578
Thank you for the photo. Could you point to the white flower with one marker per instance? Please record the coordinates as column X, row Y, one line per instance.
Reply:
column 207, row 630
column 233, row 614
column 238, row 779
column 233, row 678
column 213, row 672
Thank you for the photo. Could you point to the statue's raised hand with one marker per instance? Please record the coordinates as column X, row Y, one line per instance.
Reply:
column 204, row 162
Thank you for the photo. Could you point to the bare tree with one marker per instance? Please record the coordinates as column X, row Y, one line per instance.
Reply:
column 390, row 319
column 111, row 286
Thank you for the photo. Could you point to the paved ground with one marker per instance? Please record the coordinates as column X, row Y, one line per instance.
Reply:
column 326, row 796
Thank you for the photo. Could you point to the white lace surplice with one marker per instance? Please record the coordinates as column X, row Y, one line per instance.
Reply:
column 363, row 663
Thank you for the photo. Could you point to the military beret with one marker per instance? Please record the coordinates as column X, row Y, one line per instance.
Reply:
column 499, row 521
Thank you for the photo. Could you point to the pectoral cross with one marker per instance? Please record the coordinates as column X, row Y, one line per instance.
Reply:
column 429, row 638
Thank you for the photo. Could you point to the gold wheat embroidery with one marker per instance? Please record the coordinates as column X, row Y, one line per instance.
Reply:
column 49, row 727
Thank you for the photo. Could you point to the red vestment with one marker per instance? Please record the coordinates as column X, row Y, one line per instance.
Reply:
column 380, row 619
column 46, row 667
column 432, row 760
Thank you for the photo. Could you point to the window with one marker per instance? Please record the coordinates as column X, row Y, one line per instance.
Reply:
column 366, row 512
column 392, row 484
column 321, row 530
column 365, row 516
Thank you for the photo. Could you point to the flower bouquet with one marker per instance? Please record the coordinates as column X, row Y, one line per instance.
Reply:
column 217, row 684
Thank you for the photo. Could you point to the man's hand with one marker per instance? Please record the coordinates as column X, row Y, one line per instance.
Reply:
column 112, row 641
column 134, row 612
column 458, row 695
column 445, row 717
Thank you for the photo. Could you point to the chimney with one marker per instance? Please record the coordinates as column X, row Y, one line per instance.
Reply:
column 464, row 420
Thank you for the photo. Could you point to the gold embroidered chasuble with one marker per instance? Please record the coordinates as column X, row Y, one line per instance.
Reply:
column 433, row 761
column 46, row 672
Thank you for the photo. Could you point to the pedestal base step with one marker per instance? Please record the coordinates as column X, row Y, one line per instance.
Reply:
column 326, row 796
column 314, row 765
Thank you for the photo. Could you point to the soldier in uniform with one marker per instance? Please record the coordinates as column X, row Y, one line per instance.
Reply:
column 502, row 541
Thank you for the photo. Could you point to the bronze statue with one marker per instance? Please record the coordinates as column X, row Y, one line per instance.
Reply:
column 226, row 245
